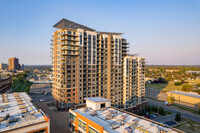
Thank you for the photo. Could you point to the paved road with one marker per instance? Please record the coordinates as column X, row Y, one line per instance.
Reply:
column 58, row 120
column 174, row 110
column 16, row 87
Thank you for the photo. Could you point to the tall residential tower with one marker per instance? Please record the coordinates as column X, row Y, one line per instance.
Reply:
column 13, row 64
column 86, row 63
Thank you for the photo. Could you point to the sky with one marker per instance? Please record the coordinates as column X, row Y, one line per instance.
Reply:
column 165, row 32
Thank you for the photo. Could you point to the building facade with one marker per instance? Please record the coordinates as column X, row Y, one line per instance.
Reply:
column 5, row 84
column 3, row 66
column 134, row 82
column 189, row 99
column 86, row 63
column 13, row 64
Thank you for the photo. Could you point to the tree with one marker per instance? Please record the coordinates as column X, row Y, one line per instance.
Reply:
column 177, row 83
column 156, row 108
column 170, row 99
column 187, row 87
column 161, row 111
column 198, row 85
column 178, row 116
column 199, row 108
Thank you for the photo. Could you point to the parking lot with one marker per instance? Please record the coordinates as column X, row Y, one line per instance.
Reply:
column 58, row 120
column 41, row 97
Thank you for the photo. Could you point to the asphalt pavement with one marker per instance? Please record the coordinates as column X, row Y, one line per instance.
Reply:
column 174, row 110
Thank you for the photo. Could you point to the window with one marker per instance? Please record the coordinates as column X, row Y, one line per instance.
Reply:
column 92, row 130
column 81, row 124
column 41, row 131
column 71, row 116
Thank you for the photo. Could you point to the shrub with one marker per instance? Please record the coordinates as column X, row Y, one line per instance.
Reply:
column 177, row 83
column 198, row 85
column 187, row 87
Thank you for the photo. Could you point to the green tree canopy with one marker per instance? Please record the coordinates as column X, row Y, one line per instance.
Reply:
column 187, row 87
column 170, row 99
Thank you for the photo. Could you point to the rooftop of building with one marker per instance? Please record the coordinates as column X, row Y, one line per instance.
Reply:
column 97, row 99
column 186, row 94
column 68, row 24
column 4, row 77
column 17, row 111
column 108, row 117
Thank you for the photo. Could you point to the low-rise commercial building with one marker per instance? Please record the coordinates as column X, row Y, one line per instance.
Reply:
column 19, row 115
column 5, row 84
column 193, row 72
column 185, row 98
column 99, row 117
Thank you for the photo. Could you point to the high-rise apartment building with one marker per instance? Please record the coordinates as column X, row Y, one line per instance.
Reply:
column 134, row 83
column 13, row 64
column 86, row 63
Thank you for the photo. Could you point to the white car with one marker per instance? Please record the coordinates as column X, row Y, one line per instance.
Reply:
column 42, row 100
column 166, row 103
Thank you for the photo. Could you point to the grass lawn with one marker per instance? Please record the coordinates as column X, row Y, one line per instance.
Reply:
column 15, row 83
column 189, row 126
column 165, row 87
column 24, row 87
column 194, row 81
column 170, row 86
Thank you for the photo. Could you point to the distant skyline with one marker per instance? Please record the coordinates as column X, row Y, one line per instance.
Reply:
column 165, row 32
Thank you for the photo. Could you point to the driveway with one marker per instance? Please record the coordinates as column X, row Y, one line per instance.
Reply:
column 58, row 120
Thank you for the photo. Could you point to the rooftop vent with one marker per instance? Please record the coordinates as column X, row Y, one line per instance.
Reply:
column 123, row 117
column 128, row 129
column 93, row 113
column 135, row 121
column 84, row 109
column 115, row 125
column 109, row 117
column 12, row 119
column 110, row 111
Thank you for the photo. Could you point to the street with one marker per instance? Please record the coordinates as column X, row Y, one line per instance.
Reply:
column 174, row 110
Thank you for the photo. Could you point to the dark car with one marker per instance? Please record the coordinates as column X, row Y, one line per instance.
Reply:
column 150, row 116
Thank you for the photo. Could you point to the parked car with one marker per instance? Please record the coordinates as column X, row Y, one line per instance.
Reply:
column 166, row 103
column 146, row 116
column 154, row 116
column 170, row 123
column 42, row 100
column 150, row 116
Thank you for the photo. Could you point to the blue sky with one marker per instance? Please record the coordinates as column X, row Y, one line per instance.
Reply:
column 163, row 31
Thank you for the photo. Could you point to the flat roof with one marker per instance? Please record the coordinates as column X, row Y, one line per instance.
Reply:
column 111, row 33
column 142, row 125
column 97, row 99
column 15, row 105
column 186, row 94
